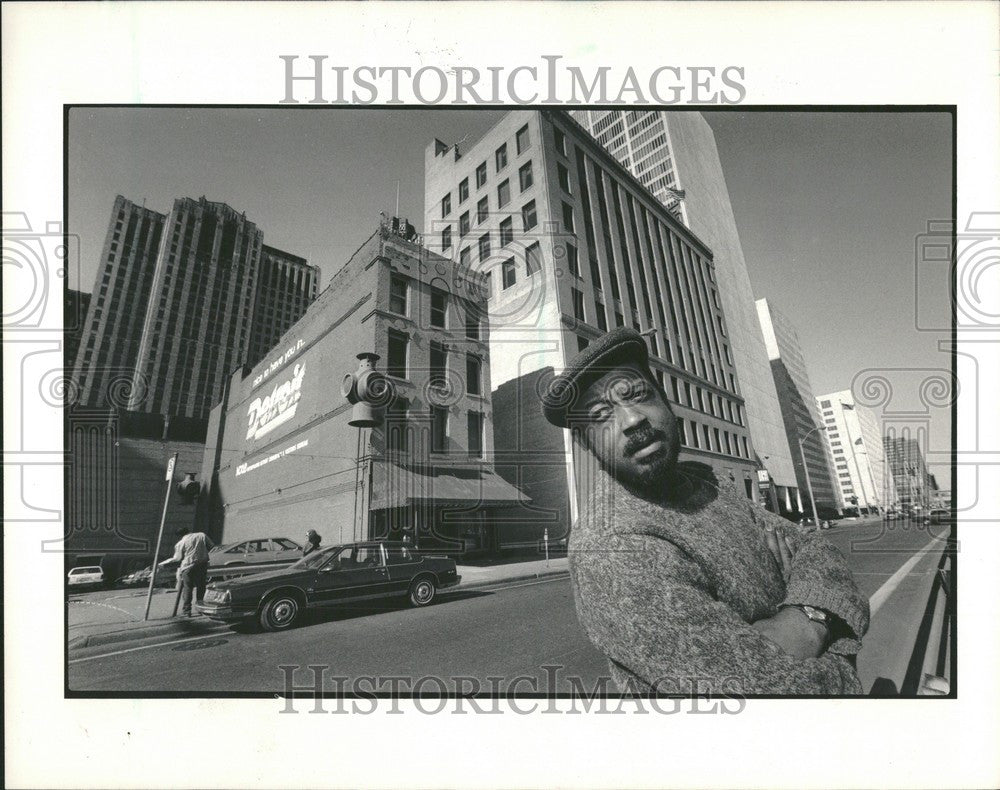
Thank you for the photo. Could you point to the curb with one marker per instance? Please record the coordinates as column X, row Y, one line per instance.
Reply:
column 185, row 627
column 180, row 627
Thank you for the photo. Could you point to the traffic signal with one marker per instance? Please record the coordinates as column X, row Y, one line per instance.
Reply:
column 188, row 488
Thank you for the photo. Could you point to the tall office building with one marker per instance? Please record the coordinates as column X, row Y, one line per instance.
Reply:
column 854, row 437
column 571, row 245
column 799, row 411
column 112, row 331
column 909, row 473
column 674, row 155
column 197, row 327
column 286, row 286
column 75, row 307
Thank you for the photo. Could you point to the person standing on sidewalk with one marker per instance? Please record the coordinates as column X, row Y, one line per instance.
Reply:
column 313, row 540
column 191, row 551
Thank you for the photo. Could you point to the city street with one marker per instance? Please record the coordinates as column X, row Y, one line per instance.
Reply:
column 505, row 631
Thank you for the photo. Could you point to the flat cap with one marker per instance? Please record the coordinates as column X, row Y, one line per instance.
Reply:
column 603, row 355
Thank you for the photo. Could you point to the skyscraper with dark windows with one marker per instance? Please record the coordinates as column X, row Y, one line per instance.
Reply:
column 112, row 330
column 286, row 286
column 674, row 155
column 179, row 301
column 571, row 245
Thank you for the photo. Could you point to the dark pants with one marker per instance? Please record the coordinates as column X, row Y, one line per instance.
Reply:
column 190, row 579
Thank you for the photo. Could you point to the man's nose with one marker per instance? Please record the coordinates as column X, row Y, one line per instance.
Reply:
column 629, row 416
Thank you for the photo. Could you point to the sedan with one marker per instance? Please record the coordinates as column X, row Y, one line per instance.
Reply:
column 255, row 552
column 330, row 577
column 85, row 576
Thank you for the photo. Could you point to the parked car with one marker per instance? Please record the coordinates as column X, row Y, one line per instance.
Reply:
column 85, row 576
column 330, row 577
column 939, row 516
column 255, row 552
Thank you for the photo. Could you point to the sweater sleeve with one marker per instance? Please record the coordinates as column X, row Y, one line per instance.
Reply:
column 820, row 578
column 646, row 606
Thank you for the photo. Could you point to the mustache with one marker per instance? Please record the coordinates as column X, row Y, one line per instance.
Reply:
column 641, row 436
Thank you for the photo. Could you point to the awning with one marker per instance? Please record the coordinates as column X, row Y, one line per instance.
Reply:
column 398, row 486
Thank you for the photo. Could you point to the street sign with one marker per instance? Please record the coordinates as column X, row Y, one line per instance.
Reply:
column 170, row 467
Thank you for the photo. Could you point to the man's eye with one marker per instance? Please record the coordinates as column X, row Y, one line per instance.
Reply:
column 599, row 413
column 637, row 393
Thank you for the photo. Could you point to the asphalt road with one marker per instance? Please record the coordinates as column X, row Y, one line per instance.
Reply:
column 506, row 632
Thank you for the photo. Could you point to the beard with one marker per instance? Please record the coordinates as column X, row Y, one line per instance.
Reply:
column 649, row 477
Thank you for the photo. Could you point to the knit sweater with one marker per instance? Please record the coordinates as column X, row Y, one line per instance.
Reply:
column 668, row 593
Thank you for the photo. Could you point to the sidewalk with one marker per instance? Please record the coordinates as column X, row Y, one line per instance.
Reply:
column 116, row 616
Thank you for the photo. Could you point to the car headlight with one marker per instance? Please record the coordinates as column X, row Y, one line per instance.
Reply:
column 218, row 596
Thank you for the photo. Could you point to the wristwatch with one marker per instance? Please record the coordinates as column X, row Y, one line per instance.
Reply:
column 814, row 614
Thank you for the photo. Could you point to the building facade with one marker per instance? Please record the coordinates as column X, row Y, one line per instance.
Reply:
column 854, row 438
column 571, row 245
column 906, row 463
column 75, row 307
column 108, row 352
column 674, row 155
column 286, row 286
column 281, row 449
column 800, row 413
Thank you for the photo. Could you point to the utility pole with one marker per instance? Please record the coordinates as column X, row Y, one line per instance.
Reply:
column 805, row 466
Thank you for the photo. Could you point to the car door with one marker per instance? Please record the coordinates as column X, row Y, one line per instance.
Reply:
column 403, row 565
column 355, row 572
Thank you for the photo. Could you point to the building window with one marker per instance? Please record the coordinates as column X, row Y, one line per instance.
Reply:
column 465, row 257
column 619, row 319
column 563, row 175
column 746, row 447
column 524, row 176
column 825, row 404
column 475, row 429
column 509, row 274
column 446, row 205
column 529, row 216
column 506, row 232
column 581, row 343
column 395, row 364
column 463, row 224
column 484, row 247
column 481, row 175
column 439, row 307
column 560, row 140
column 578, row 312
column 473, row 374
column 438, row 364
column 397, row 294
column 708, row 437
column 439, row 429
column 533, row 259
column 567, row 217
column 503, row 193
column 472, row 322
column 482, row 210
column 523, row 139
column 488, row 284
column 446, row 238
column 602, row 320
column 502, row 157
column 463, row 190
column 572, row 260
column 395, row 427
column 694, row 433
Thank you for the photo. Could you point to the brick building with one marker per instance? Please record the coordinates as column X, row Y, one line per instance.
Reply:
column 281, row 456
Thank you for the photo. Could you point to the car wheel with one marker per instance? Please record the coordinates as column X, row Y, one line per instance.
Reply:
column 279, row 611
column 422, row 591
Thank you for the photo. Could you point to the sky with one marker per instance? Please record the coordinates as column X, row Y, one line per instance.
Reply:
column 828, row 204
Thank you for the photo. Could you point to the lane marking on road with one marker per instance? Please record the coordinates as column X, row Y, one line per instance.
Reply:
column 525, row 584
column 141, row 647
column 882, row 593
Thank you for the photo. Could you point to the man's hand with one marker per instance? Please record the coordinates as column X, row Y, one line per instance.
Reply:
column 780, row 548
column 793, row 631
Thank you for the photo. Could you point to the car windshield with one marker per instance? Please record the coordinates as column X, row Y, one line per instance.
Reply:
column 316, row 559
column 77, row 571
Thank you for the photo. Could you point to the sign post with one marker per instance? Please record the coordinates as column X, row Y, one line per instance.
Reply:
column 545, row 537
column 159, row 536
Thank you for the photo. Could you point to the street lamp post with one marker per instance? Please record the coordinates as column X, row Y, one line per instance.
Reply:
column 805, row 466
